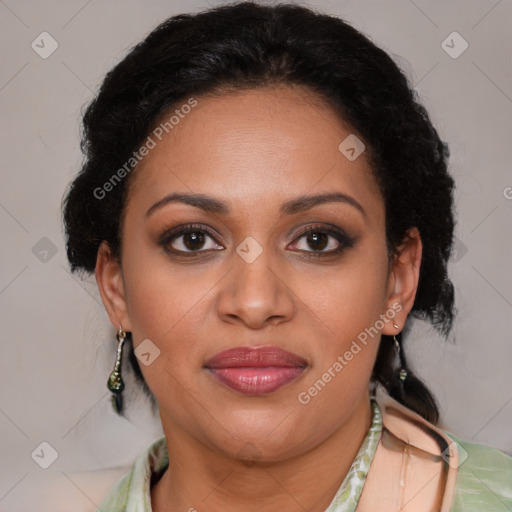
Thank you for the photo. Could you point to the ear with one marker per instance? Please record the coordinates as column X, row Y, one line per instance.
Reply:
column 109, row 278
column 403, row 280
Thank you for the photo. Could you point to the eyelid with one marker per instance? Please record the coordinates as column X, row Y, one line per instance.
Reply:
column 344, row 240
column 326, row 227
column 182, row 229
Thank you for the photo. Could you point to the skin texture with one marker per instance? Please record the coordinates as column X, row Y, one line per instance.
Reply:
column 254, row 150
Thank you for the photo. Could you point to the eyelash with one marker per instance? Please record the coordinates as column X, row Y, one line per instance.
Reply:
column 345, row 240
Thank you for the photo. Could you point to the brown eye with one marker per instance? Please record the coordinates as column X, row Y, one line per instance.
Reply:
column 322, row 241
column 189, row 239
column 193, row 240
column 317, row 240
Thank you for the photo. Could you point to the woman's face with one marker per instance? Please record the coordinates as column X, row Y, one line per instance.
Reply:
column 248, row 275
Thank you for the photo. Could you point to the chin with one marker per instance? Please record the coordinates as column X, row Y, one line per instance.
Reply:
column 265, row 438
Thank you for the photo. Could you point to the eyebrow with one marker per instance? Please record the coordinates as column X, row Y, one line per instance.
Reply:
column 295, row 205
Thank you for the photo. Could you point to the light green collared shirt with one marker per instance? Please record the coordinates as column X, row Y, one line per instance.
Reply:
column 484, row 480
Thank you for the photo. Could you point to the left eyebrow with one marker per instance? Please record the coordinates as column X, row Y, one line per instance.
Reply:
column 303, row 203
column 290, row 207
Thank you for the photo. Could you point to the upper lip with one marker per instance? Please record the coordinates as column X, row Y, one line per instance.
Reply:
column 261, row 357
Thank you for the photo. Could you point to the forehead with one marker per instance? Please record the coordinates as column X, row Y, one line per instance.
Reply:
column 253, row 146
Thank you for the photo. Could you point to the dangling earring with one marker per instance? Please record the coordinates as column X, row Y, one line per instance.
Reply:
column 115, row 381
column 403, row 371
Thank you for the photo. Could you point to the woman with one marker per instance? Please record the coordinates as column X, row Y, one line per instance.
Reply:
column 264, row 204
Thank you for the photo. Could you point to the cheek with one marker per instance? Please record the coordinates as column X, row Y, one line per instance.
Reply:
column 348, row 308
column 170, row 305
column 351, row 297
column 166, row 306
column 167, row 310
column 158, row 292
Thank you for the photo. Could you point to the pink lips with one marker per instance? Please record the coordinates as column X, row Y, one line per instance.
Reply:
column 256, row 371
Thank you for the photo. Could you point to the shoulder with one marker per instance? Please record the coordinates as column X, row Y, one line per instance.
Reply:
column 132, row 492
column 484, row 478
column 478, row 477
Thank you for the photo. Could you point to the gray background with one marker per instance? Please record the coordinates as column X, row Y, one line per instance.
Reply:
column 57, row 344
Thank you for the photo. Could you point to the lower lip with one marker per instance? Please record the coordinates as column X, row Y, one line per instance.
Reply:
column 257, row 381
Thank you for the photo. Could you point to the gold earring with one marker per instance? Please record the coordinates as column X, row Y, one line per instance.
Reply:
column 403, row 371
column 115, row 381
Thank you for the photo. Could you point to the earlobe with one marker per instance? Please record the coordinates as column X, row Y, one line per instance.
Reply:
column 404, row 277
column 109, row 279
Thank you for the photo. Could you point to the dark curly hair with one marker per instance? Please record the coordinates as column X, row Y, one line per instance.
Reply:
column 247, row 45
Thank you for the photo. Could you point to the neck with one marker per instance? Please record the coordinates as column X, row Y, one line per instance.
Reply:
column 199, row 478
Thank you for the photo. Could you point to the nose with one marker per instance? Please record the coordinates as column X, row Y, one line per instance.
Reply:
column 256, row 293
